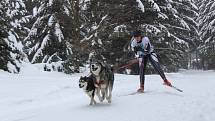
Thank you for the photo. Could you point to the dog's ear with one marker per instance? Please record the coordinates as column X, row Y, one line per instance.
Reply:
column 85, row 78
column 102, row 64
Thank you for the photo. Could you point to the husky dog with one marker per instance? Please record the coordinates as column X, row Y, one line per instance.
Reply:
column 88, row 85
column 104, row 80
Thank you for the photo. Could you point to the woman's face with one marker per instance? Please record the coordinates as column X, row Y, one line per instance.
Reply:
column 138, row 39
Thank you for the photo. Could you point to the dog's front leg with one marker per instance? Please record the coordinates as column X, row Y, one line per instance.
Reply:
column 92, row 100
column 103, row 94
column 98, row 93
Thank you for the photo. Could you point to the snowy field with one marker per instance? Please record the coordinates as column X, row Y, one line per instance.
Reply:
column 51, row 96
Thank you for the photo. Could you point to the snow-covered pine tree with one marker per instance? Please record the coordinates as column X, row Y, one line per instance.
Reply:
column 11, row 54
column 50, row 39
column 31, row 7
column 206, row 21
column 181, row 31
column 97, row 26
column 103, row 20
column 74, row 34
column 18, row 17
column 188, row 11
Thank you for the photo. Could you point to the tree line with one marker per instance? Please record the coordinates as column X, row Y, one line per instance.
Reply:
column 62, row 34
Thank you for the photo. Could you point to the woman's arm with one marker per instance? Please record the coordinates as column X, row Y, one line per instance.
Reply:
column 151, row 48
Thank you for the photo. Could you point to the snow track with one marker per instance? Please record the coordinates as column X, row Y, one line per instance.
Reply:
column 50, row 96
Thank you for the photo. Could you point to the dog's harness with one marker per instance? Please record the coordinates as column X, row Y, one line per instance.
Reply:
column 99, row 83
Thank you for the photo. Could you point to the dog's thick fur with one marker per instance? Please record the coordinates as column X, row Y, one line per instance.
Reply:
column 87, row 83
column 104, row 76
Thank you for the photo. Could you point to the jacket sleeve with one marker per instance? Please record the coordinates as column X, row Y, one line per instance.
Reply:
column 133, row 44
column 151, row 49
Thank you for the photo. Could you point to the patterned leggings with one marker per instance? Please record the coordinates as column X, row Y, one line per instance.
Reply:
column 154, row 61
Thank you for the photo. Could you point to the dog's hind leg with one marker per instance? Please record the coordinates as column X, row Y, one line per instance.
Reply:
column 110, row 88
column 108, row 97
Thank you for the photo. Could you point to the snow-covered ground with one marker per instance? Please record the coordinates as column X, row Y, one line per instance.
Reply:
column 51, row 96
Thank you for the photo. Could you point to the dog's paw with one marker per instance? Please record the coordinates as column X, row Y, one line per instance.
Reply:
column 109, row 100
column 94, row 102
column 101, row 99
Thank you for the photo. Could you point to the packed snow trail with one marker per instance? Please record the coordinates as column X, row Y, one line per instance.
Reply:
column 51, row 96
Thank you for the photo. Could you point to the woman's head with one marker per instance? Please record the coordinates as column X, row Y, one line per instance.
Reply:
column 137, row 35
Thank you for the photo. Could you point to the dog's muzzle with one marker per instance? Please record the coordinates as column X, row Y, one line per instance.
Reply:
column 81, row 86
column 94, row 68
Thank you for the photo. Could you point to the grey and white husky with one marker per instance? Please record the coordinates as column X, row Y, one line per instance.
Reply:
column 104, row 80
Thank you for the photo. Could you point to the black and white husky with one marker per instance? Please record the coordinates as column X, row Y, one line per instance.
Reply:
column 104, row 80
column 87, row 83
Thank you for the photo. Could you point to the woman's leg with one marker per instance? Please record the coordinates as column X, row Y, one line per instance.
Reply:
column 142, row 66
column 155, row 63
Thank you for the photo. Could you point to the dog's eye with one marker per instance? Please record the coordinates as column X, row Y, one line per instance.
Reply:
column 82, row 81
